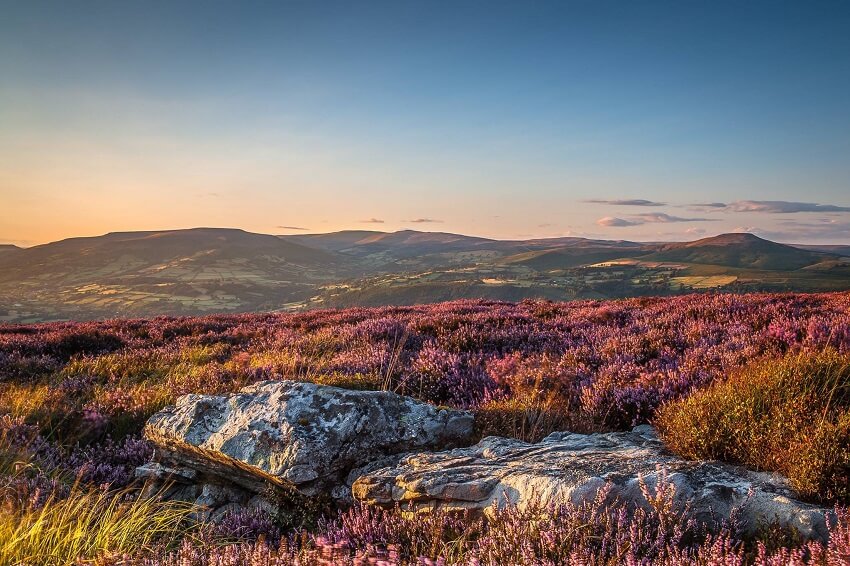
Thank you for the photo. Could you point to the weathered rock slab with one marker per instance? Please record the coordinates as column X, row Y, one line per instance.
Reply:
column 296, row 435
column 568, row 467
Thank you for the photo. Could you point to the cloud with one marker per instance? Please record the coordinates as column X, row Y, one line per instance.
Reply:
column 611, row 221
column 709, row 205
column 423, row 221
column 627, row 202
column 662, row 218
column 372, row 221
column 772, row 206
column 291, row 228
column 647, row 218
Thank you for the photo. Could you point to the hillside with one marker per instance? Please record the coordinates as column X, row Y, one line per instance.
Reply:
column 159, row 252
column 827, row 249
column 176, row 271
column 738, row 250
column 208, row 270
column 566, row 257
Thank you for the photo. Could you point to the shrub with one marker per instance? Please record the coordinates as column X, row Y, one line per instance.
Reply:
column 790, row 416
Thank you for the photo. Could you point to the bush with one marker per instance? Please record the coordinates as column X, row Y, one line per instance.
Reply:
column 790, row 416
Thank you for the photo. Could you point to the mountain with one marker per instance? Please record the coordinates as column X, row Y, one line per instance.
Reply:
column 211, row 270
column 565, row 257
column 8, row 249
column 739, row 250
column 173, row 271
column 401, row 246
column 160, row 252
column 410, row 248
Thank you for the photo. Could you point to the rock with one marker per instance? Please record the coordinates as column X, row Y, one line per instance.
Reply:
column 574, row 467
column 290, row 435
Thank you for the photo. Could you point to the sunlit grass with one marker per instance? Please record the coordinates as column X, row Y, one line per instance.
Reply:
column 23, row 400
column 88, row 525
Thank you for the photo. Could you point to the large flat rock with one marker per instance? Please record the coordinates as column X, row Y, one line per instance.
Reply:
column 574, row 467
column 299, row 435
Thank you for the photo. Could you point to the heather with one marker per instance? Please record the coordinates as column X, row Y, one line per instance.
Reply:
column 603, row 365
column 74, row 396
column 595, row 533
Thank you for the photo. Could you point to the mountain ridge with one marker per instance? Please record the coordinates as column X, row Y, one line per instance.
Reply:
column 210, row 270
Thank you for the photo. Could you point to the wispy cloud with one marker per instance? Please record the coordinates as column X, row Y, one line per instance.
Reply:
column 709, row 205
column 291, row 228
column 611, row 221
column 647, row 218
column 662, row 218
column 423, row 221
column 372, row 221
column 627, row 202
column 771, row 206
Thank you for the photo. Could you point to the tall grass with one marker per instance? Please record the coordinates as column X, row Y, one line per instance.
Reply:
column 790, row 416
column 89, row 525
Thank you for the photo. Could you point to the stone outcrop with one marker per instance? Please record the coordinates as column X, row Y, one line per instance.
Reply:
column 224, row 450
column 574, row 467
column 277, row 441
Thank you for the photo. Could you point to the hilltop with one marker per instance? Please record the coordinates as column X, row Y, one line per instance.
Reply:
column 739, row 250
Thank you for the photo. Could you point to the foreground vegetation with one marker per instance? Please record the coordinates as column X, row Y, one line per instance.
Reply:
column 790, row 416
column 756, row 379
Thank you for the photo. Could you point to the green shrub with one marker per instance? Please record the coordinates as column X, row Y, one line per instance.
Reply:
column 790, row 416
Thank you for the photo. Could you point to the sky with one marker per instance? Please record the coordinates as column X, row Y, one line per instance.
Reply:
column 650, row 120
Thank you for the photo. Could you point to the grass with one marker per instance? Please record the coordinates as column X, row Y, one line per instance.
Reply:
column 529, row 416
column 790, row 416
column 89, row 525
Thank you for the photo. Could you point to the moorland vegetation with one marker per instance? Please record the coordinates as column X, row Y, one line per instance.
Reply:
column 761, row 380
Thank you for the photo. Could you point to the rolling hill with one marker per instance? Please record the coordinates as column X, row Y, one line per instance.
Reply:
column 209, row 270
column 175, row 271
column 739, row 250
column 827, row 249
column 160, row 253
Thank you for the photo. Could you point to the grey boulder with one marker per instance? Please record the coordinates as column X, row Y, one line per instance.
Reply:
column 296, row 435
column 568, row 467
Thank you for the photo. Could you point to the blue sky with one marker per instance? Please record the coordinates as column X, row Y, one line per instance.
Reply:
column 494, row 119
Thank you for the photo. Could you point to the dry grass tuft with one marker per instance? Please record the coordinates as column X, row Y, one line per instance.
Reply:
column 89, row 525
column 790, row 416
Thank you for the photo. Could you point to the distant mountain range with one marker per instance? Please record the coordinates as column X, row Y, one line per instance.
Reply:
column 208, row 270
